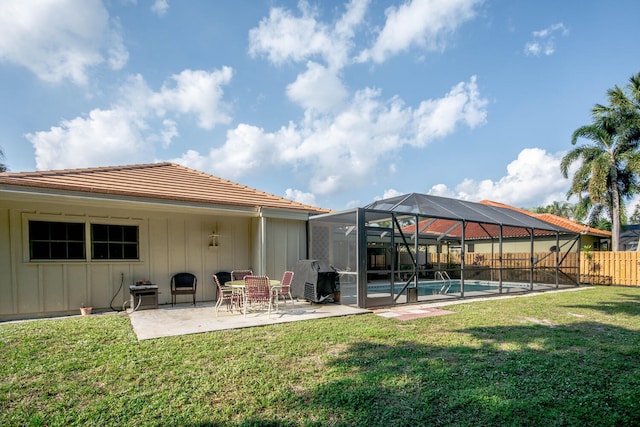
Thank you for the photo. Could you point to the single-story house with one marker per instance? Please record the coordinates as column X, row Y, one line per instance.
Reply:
column 629, row 237
column 587, row 236
column 80, row 237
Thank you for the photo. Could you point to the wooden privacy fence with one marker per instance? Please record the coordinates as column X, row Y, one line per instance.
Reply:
column 601, row 268
column 622, row 267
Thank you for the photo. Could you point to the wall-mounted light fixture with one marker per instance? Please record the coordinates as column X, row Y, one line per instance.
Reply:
column 213, row 239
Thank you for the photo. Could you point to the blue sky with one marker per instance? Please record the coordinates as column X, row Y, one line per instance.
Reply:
column 330, row 103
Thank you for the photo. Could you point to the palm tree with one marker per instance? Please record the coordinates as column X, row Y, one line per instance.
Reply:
column 563, row 209
column 609, row 165
column 3, row 167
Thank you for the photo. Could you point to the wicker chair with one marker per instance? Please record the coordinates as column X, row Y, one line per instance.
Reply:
column 239, row 274
column 224, row 295
column 257, row 292
column 284, row 290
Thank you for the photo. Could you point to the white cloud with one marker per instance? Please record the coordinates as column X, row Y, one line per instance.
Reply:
column 438, row 118
column 544, row 42
column 60, row 40
column 388, row 193
column 104, row 137
column 342, row 149
column 533, row 179
column 318, row 88
column 127, row 131
column 160, row 7
column 423, row 23
column 168, row 132
column 198, row 92
column 300, row 196
column 284, row 37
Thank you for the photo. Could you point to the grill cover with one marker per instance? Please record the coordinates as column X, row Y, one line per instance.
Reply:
column 314, row 281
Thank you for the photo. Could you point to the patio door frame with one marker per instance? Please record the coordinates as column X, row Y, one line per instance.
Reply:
column 364, row 300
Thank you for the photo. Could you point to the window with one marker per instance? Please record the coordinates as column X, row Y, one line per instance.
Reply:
column 56, row 240
column 114, row 241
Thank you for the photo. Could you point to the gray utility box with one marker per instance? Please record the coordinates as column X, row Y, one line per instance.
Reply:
column 144, row 297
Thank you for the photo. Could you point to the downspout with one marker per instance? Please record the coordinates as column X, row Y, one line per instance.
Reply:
column 500, row 262
column 557, row 259
column 262, row 241
column 462, row 254
column 531, row 260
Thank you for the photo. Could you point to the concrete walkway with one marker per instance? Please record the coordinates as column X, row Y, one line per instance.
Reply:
column 185, row 319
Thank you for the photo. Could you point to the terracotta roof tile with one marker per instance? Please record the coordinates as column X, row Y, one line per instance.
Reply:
column 571, row 225
column 164, row 181
column 476, row 231
column 555, row 219
column 472, row 231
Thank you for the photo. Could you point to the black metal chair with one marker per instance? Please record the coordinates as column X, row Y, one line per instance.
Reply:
column 183, row 284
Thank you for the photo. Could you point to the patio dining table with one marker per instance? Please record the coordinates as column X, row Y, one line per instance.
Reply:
column 238, row 287
column 239, row 284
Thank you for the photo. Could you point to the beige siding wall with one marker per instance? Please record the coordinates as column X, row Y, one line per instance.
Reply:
column 524, row 245
column 286, row 243
column 169, row 243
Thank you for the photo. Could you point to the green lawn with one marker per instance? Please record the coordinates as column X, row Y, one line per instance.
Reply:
column 569, row 358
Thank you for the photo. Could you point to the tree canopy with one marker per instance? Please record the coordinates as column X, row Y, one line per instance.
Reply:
column 3, row 167
column 609, row 164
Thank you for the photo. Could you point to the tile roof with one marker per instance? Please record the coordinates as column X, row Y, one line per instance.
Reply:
column 556, row 220
column 162, row 181
column 475, row 231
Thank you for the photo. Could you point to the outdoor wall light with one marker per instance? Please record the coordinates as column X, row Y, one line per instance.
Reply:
column 213, row 239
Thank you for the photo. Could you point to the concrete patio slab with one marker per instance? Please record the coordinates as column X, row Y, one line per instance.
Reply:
column 185, row 319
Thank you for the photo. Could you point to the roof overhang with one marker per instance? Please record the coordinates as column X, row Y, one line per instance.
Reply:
column 31, row 194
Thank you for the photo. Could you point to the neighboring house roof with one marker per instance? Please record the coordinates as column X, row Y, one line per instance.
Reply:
column 556, row 220
column 160, row 181
column 477, row 230
column 473, row 231
column 629, row 237
column 453, row 209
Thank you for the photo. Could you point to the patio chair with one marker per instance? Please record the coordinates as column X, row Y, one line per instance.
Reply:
column 257, row 292
column 284, row 290
column 224, row 295
column 183, row 284
column 239, row 274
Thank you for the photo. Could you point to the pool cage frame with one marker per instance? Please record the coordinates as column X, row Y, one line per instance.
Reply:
column 388, row 251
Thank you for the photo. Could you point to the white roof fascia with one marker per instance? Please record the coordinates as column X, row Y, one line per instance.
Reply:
column 124, row 202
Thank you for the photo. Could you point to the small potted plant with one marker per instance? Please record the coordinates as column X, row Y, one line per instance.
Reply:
column 85, row 311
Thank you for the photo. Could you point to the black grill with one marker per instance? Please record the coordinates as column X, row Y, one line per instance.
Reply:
column 314, row 281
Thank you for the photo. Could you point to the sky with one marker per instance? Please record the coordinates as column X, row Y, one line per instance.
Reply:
column 334, row 104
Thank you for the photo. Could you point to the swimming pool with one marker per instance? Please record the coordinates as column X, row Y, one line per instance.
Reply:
column 438, row 287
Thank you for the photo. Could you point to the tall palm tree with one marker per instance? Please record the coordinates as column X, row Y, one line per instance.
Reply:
column 609, row 165
column 3, row 167
column 563, row 209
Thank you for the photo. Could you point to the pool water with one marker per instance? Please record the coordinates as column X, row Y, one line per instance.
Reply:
column 450, row 287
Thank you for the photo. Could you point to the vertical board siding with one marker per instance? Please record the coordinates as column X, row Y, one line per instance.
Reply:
column 286, row 244
column 169, row 243
column 7, row 281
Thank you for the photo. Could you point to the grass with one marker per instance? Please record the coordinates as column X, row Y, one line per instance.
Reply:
column 570, row 358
